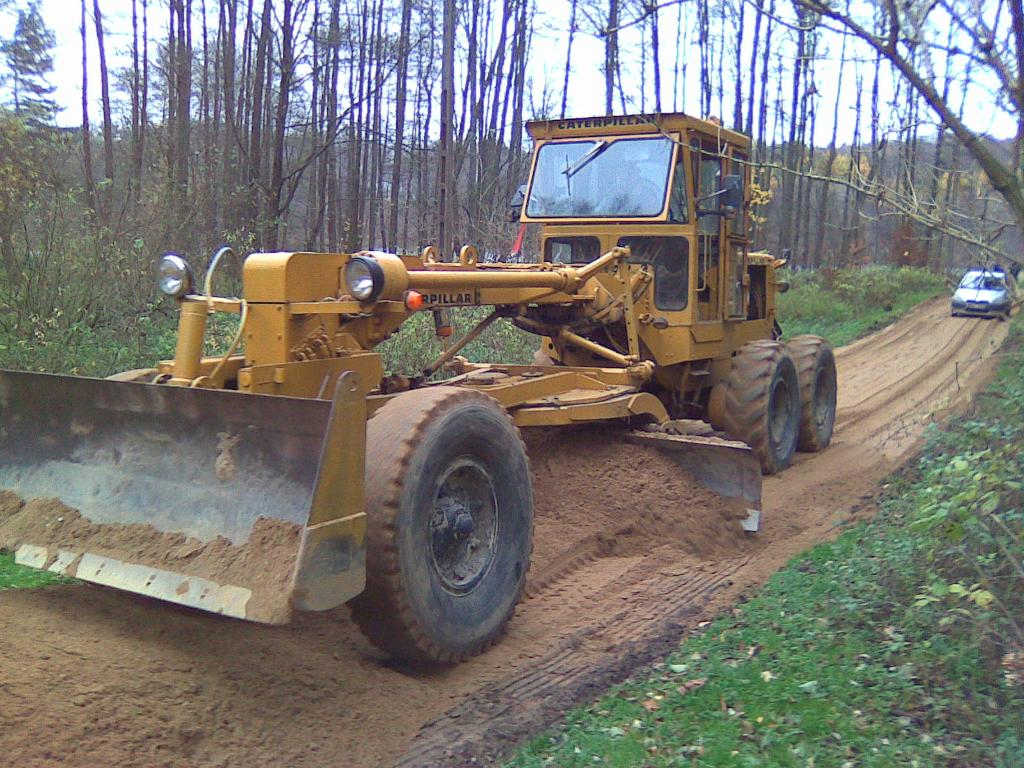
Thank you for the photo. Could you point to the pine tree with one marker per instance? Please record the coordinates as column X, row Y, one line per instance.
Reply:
column 28, row 58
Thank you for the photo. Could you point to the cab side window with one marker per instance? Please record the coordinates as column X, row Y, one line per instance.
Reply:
column 670, row 257
column 678, row 204
column 571, row 250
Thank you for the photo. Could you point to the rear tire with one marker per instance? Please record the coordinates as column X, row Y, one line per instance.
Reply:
column 816, row 371
column 450, row 525
column 762, row 403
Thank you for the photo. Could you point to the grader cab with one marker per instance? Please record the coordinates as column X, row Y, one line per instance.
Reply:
column 295, row 473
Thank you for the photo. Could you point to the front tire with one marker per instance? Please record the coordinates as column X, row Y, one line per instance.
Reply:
column 450, row 525
column 816, row 371
column 762, row 403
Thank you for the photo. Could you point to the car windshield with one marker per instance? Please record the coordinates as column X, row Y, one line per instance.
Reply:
column 981, row 282
column 597, row 178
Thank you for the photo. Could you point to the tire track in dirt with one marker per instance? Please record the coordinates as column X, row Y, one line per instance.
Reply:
column 135, row 682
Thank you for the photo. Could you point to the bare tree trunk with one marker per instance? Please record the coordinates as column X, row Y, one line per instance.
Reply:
column 704, row 46
column 749, row 128
column 254, row 160
column 402, row 78
column 819, row 242
column 273, row 208
column 737, row 107
column 144, row 106
column 229, row 23
column 135, row 173
column 786, row 231
column 183, row 92
column 611, row 55
column 108, row 132
column 653, row 10
column 90, row 179
column 444, row 177
column 568, row 57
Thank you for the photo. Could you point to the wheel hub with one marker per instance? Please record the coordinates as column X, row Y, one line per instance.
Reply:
column 463, row 526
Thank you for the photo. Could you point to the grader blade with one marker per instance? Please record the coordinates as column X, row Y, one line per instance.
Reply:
column 727, row 467
column 239, row 504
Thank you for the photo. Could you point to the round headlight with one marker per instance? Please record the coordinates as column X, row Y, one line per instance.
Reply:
column 364, row 277
column 174, row 276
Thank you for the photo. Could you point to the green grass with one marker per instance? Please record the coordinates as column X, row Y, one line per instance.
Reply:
column 882, row 648
column 18, row 577
column 85, row 351
column 843, row 305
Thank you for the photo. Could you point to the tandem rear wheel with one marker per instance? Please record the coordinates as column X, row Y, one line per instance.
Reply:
column 780, row 398
column 762, row 403
column 816, row 371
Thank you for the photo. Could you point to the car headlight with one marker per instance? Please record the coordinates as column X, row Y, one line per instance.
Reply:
column 958, row 302
column 174, row 276
column 364, row 278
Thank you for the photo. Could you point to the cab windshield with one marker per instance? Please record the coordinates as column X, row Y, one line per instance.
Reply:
column 597, row 178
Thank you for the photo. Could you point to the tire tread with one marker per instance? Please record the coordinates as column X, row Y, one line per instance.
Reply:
column 747, row 394
column 383, row 611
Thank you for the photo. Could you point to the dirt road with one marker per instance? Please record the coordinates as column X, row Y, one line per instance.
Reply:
column 90, row 677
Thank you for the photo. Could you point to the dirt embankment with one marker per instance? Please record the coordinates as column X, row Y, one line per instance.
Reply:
column 629, row 557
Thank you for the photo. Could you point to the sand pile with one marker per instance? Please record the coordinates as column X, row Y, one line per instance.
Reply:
column 597, row 495
column 263, row 564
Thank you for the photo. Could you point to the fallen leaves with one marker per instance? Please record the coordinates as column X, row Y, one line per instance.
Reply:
column 691, row 685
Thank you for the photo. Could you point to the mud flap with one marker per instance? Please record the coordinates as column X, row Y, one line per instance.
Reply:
column 245, row 505
column 727, row 467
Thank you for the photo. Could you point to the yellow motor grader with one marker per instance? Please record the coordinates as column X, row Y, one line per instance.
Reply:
column 409, row 497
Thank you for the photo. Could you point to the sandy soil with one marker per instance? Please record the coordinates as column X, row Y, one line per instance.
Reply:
column 264, row 564
column 94, row 677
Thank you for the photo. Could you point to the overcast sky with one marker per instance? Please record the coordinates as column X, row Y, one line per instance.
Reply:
column 547, row 62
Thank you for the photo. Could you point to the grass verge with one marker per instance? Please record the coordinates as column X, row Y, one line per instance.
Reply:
column 15, row 576
column 899, row 643
column 844, row 304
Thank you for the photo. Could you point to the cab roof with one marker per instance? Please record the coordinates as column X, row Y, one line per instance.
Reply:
column 626, row 125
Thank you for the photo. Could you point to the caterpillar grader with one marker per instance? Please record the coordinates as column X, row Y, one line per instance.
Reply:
column 409, row 497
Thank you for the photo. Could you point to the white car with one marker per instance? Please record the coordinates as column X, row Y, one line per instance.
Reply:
column 985, row 293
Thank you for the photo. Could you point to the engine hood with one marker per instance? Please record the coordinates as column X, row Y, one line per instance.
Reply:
column 987, row 296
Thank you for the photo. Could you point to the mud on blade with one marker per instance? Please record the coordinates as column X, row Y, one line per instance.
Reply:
column 199, row 497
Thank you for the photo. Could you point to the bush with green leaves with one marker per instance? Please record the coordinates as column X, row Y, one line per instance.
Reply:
column 415, row 345
column 844, row 304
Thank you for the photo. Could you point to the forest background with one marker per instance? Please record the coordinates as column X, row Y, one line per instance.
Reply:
column 884, row 133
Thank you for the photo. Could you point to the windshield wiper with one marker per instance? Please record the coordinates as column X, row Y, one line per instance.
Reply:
column 596, row 150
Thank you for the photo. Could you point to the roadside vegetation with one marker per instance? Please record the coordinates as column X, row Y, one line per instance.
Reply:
column 15, row 576
column 844, row 304
column 899, row 643
column 840, row 305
